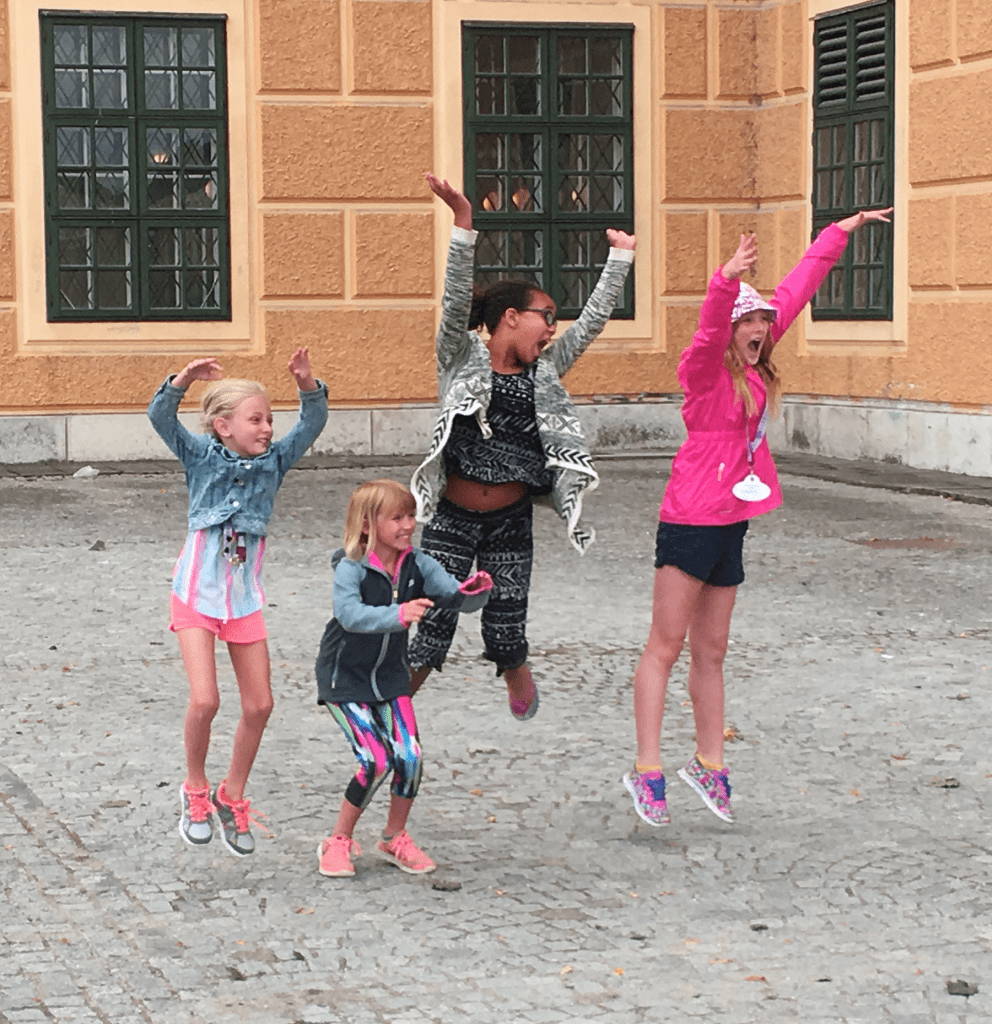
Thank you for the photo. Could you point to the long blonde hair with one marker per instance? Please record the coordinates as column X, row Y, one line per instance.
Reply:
column 224, row 396
column 368, row 501
column 766, row 370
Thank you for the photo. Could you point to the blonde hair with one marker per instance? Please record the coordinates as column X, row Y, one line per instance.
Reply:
column 766, row 370
column 223, row 397
column 368, row 501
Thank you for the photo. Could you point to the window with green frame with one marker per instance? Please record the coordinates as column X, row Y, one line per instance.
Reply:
column 136, row 175
column 853, row 113
column 548, row 131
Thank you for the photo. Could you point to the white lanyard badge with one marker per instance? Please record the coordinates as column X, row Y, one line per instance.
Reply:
column 752, row 487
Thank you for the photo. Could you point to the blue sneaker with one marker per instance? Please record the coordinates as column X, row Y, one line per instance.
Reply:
column 648, row 791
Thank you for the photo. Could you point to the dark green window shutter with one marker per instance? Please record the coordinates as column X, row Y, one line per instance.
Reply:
column 853, row 165
column 136, row 168
column 548, row 119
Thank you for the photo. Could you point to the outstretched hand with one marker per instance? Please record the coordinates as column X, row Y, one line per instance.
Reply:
column 458, row 201
column 855, row 221
column 198, row 369
column 299, row 367
column 620, row 239
column 744, row 259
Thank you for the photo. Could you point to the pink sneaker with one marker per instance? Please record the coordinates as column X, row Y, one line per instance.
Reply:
column 336, row 854
column 402, row 851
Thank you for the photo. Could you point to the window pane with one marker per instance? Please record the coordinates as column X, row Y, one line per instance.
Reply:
column 572, row 96
column 571, row 56
column 163, row 247
column 75, row 289
column 111, row 147
column 71, row 44
column 160, row 47
column 110, row 90
column 201, row 247
column 489, row 193
column 201, row 289
column 489, row 97
column 162, row 90
column 198, row 48
column 163, row 146
column 490, row 152
column 525, row 151
column 606, row 98
column 163, row 191
column 113, row 247
column 112, row 191
column 163, row 289
column 72, row 147
column 74, row 247
column 113, row 289
column 199, row 147
column 605, row 56
column 199, row 90
column 73, row 191
column 524, row 55
column 525, row 96
column 72, row 88
column 525, row 194
column 489, row 54
column 109, row 48
column 200, row 191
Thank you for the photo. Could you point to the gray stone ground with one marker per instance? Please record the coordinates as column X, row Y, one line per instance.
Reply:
column 852, row 889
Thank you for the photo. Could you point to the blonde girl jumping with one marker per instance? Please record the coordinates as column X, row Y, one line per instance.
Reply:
column 722, row 476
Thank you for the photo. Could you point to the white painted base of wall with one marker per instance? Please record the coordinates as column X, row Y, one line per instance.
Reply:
column 919, row 435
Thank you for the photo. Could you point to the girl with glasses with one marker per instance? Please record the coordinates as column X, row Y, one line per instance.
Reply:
column 506, row 432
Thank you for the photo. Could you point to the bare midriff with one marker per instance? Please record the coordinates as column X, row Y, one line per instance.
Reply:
column 478, row 497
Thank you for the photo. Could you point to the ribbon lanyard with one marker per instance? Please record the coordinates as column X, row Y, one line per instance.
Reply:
column 759, row 435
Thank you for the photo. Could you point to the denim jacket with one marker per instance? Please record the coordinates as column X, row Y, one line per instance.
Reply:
column 224, row 486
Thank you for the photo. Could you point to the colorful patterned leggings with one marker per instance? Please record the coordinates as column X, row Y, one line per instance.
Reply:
column 502, row 543
column 383, row 737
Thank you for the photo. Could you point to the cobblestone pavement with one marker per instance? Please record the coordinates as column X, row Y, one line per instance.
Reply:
column 853, row 888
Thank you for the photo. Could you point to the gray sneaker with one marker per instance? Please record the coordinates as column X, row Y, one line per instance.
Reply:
column 196, row 823
column 236, row 820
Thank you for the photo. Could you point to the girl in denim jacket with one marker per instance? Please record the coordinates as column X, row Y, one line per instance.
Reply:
column 232, row 474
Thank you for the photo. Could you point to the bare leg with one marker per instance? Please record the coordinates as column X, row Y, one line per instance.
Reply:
column 417, row 678
column 347, row 819
column 399, row 811
column 518, row 682
column 251, row 666
column 675, row 597
column 708, row 633
column 197, row 649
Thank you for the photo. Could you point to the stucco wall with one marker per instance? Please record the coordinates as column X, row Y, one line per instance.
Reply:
column 339, row 245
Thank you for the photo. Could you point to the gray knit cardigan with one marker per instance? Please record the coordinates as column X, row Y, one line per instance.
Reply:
column 465, row 377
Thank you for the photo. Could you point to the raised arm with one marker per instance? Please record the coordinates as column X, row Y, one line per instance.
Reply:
column 799, row 286
column 573, row 342
column 313, row 412
column 452, row 335
column 163, row 410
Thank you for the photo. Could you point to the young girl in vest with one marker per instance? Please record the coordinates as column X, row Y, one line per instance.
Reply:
column 722, row 476
column 232, row 474
column 382, row 586
column 506, row 431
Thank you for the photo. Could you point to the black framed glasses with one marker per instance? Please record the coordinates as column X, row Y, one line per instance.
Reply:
column 550, row 316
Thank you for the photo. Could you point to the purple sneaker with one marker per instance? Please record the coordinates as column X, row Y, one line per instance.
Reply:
column 713, row 787
column 648, row 791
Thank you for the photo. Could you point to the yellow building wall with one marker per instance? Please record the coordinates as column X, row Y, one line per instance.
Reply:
column 337, row 107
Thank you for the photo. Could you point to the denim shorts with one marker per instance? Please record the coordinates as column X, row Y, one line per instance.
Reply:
column 713, row 554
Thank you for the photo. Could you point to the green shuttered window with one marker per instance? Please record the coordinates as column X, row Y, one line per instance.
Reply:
column 854, row 56
column 549, row 153
column 136, row 170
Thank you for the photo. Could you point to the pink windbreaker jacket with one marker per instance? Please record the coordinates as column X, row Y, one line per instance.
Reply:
column 714, row 456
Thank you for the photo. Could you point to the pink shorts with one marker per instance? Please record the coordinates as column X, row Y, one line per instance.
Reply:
column 245, row 630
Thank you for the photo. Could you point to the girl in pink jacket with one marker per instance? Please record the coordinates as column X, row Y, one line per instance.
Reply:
column 722, row 476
